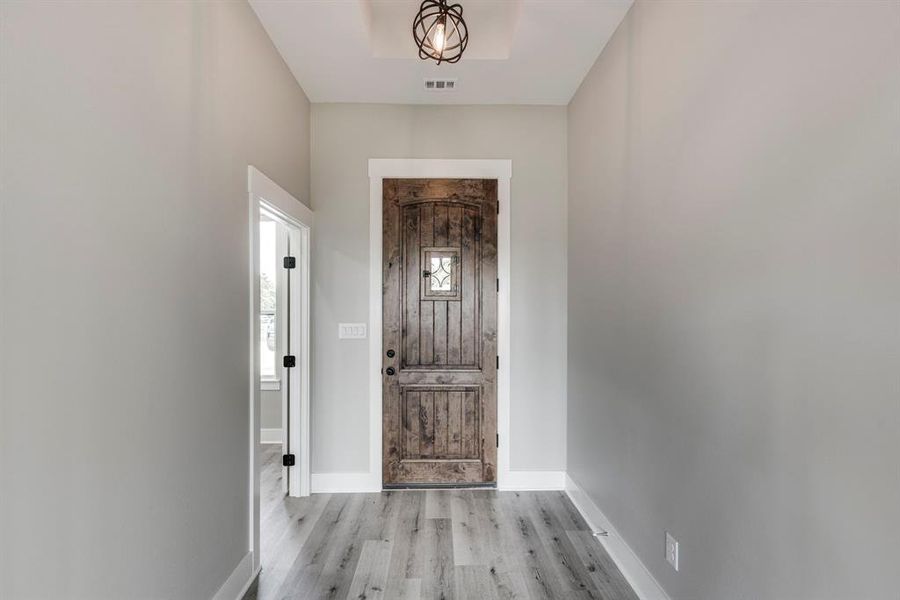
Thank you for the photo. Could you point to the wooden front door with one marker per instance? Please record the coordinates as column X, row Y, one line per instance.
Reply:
column 439, row 360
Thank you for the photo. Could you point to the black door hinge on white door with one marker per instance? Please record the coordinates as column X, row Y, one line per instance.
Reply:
column 290, row 361
column 290, row 262
column 288, row 460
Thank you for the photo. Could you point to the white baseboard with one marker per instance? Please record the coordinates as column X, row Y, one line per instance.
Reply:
column 239, row 581
column 345, row 483
column 270, row 436
column 640, row 578
column 532, row 480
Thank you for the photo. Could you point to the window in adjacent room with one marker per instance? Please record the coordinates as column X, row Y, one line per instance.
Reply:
column 268, row 301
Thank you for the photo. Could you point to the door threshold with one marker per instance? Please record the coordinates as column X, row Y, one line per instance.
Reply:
column 491, row 485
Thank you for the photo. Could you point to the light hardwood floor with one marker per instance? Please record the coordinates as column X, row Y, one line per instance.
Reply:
column 452, row 544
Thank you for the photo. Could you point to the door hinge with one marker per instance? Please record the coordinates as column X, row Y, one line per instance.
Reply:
column 290, row 361
column 288, row 460
column 498, row 440
column 498, row 284
column 290, row 262
column 498, row 362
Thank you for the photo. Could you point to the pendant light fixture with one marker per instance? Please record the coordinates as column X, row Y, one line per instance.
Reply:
column 440, row 32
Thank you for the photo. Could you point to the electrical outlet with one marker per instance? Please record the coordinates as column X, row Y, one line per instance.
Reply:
column 671, row 551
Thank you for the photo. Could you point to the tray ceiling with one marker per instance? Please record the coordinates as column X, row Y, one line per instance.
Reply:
column 520, row 51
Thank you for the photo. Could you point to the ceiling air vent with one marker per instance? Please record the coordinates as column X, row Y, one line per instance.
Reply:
column 439, row 85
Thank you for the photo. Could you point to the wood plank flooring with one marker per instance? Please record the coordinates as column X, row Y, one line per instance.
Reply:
column 435, row 544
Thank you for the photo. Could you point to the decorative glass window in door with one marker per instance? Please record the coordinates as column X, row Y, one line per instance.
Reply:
column 440, row 273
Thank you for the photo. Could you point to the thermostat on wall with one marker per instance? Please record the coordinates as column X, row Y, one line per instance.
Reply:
column 352, row 331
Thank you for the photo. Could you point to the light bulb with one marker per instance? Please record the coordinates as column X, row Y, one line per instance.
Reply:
column 437, row 40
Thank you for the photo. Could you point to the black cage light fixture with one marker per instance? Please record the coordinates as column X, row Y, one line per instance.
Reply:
column 440, row 32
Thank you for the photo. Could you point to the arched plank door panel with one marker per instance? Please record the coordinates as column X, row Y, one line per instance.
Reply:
column 440, row 331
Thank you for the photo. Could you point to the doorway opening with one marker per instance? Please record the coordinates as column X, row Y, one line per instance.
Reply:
column 500, row 171
column 280, row 243
column 280, row 233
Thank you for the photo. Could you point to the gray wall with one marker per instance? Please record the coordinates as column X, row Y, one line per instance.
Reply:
column 344, row 138
column 270, row 410
column 734, row 295
column 125, row 134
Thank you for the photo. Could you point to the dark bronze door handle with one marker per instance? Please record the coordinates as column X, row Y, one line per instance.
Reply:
column 390, row 371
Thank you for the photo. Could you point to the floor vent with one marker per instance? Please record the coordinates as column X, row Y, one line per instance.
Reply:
column 440, row 85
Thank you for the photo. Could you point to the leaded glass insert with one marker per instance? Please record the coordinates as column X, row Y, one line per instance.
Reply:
column 441, row 273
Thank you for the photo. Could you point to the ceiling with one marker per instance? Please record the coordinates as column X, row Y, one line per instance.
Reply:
column 520, row 51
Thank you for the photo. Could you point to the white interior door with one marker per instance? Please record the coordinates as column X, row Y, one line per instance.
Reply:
column 284, row 248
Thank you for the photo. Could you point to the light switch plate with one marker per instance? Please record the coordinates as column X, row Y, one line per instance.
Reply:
column 351, row 331
column 671, row 551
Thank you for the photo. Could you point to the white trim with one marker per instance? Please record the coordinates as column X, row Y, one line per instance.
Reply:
column 637, row 574
column 239, row 581
column 503, row 333
column 299, row 414
column 267, row 384
column 342, row 483
column 282, row 201
column 379, row 169
column 374, row 482
column 271, row 435
column 255, row 460
column 535, row 480
column 263, row 193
